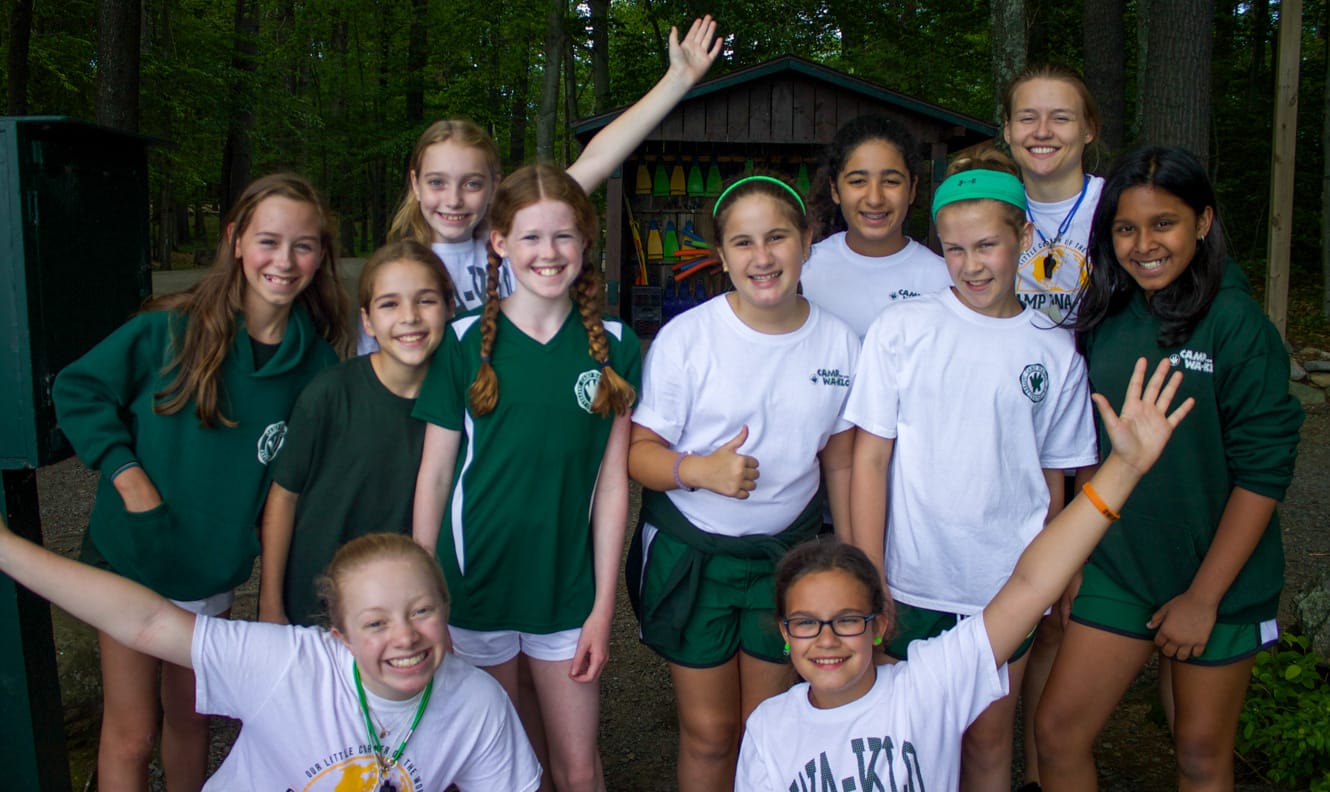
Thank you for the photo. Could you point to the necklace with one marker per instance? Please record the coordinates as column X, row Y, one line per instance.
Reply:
column 381, row 759
column 1050, row 261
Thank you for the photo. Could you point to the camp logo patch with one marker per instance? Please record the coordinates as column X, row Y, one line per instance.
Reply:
column 1192, row 360
column 585, row 389
column 830, row 376
column 270, row 442
column 1034, row 382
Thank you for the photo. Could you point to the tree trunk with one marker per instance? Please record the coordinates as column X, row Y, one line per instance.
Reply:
column 600, row 55
column 1175, row 85
column 1106, row 69
column 1142, row 58
column 517, row 123
column 549, row 90
column 1008, row 44
column 1325, row 187
column 569, row 96
column 20, row 36
column 236, row 154
column 417, row 54
column 119, row 23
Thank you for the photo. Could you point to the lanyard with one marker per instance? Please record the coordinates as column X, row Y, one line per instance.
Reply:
column 383, row 762
column 1050, row 261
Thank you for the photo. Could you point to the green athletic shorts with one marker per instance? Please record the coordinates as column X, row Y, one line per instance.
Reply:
column 734, row 609
column 917, row 624
column 1104, row 605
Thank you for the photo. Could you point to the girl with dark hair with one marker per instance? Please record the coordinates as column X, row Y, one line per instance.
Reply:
column 1196, row 568
column 900, row 726
column 867, row 178
column 526, row 445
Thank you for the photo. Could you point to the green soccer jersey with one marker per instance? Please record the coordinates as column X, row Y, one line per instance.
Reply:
column 351, row 453
column 515, row 542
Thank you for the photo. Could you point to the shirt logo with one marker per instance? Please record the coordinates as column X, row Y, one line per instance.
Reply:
column 270, row 442
column 585, row 388
column 831, row 377
column 1192, row 360
column 1034, row 382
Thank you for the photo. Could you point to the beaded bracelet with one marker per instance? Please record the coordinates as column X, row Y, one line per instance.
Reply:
column 1098, row 502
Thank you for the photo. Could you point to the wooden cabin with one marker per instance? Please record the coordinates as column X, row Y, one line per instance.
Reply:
column 776, row 116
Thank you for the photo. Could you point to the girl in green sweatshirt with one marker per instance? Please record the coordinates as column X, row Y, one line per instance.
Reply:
column 182, row 409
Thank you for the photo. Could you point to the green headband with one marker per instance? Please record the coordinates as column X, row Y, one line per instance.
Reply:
column 979, row 183
column 746, row 179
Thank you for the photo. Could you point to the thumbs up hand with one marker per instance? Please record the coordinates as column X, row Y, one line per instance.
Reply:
column 726, row 471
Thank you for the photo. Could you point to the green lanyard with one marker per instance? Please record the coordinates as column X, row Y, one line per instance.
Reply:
column 369, row 724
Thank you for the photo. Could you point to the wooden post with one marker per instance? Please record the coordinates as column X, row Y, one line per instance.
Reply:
column 614, row 285
column 1281, row 164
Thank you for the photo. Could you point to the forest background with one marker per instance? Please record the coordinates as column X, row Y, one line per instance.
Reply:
column 339, row 90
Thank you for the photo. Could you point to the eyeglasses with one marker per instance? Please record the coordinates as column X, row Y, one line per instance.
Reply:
column 844, row 626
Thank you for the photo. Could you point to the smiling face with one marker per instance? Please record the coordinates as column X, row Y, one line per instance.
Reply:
column 982, row 251
column 1155, row 235
column 838, row 670
column 545, row 249
column 279, row 252
column 874, row 192
column 764, row 251
column 453, row 185
column 1048, row 132
column 395, row 624
column 407, row 312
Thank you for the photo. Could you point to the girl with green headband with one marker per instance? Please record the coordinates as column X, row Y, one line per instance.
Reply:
column 754, row 377
column 966, row 386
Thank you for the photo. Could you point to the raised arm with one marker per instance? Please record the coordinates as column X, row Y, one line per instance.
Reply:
column 131, row 614
column 689, row 60
column 1139, row 435
column 433, row 481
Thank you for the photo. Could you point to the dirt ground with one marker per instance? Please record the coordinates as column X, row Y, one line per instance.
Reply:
column 638, row 731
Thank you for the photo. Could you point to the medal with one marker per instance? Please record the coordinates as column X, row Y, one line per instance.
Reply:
column 382, row 761
column 1044, row 270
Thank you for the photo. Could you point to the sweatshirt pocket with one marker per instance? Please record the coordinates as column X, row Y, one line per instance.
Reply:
column 180, row 554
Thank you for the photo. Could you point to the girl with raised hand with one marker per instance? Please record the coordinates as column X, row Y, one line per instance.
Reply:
column 1196, row 570
column 866, row 181
column 377, row 702
column 182, row 409
column 900, row 726
column 757, row 376
column 348, row 466
column 1048, row 118
column 969, row 407
column 455, row 171
column 523, row 486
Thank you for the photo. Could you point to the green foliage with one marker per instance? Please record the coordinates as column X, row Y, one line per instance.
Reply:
column 1284, row 733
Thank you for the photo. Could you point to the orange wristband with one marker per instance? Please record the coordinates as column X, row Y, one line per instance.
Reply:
column 1099, row 502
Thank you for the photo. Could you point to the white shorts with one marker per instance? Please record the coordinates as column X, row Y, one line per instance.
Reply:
column 210, row 606
column 484, row 648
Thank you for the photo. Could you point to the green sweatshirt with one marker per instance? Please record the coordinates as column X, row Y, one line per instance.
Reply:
column 1243, row 432
column 203, row 539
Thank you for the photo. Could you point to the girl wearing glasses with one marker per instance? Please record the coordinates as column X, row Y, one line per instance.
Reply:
column 900, row 726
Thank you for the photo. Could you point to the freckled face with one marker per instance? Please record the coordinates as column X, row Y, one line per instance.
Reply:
column 982, row 252
column 396, row 625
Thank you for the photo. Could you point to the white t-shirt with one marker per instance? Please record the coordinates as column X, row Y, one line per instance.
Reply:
column 707, row 374
column 467, row 264
column 304, row 729
column 1055, row 292
column 979, row 407
column 905, row 733
column 856, row 288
